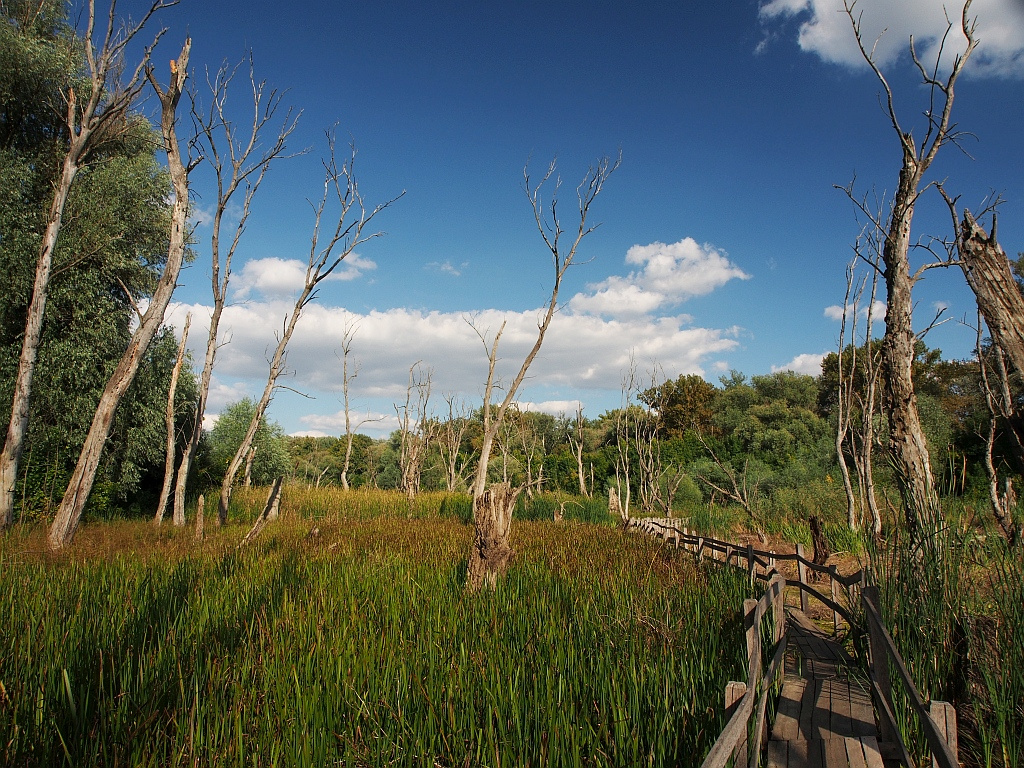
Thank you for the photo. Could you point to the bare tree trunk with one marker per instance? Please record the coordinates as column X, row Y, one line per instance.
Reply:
column 200, row 520
column 165, row 490
column 247, row 475
column 450, row 436
column 352, row 219
column 234, row 168
column 907, row 445
column 988, row 273
column 77, row 493
column 415, row 430
column 576, row 440
column 844, row 396
column 490, row 552
column 271, row 511
column 103, row 113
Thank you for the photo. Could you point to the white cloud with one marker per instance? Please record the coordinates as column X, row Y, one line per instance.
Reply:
column 580, row 351
column 668, row 274
column 808, row 364
column 447, row 267
column 824, row 29
column 552, row 407
column 835, row 312
column 283, row 278
column 585, row 351
column 322, row 425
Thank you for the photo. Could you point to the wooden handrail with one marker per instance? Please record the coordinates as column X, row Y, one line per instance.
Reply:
column 882, row 647
column 883, row 650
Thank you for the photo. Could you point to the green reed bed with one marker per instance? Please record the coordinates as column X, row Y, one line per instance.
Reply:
column 954, row 604
column 359, row 646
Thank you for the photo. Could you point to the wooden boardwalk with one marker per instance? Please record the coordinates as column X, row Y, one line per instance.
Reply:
column 825, row 717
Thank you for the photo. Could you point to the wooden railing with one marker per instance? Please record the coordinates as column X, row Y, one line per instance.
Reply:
column 749, row 700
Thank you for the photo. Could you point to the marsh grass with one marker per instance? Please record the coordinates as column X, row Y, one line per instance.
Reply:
column 356, row 644
column 954, row 604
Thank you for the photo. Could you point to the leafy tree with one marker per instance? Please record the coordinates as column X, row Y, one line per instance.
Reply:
column 688, row 403
column 271, row 458
column 112, row 245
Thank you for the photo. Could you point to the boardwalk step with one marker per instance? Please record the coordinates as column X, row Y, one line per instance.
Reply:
column 838, row 752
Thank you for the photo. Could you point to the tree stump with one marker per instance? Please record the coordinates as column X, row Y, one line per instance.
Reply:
column 821, row 549
column 490, row 553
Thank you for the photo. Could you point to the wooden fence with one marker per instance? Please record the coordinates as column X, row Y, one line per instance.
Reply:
column 748, row 701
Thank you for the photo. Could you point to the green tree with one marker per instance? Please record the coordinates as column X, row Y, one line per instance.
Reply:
column 112, row 246
column 270, row 458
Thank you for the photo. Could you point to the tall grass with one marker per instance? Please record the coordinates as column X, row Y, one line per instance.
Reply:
column 358, row 646
column 955, row 607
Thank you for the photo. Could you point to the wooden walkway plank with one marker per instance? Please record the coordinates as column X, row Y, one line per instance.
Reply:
column 825, row 717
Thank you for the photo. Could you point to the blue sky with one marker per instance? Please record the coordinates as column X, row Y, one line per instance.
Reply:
column 723, row 241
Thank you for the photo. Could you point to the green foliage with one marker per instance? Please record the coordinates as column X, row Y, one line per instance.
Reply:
column 369, row 653
column 270, row 460
column 111, row 247
column 953, row 605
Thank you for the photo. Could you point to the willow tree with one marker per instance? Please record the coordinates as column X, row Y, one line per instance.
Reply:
column 99, row 112
column 80, row 484
column 907, row 445
column 490, row 551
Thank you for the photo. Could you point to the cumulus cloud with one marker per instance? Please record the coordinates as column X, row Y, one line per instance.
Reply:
column 836, row 312
column 580, row 351
column 808, row 364
column 324, row 424
column 585, row 352
column 284, row 278
column 666, row 275
column 824, row 29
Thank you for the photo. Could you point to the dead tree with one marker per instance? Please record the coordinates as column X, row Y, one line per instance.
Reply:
column 1002, row 410
column 907, row 445
column 240, row 163
column 326, row 252
column 576, row 434
column 489, row 552
column 740, row 489
column 71, row 506
column 349, row 371
column 104, row 114
column 414, row 429
column 165, row 490
column 450, row 435
column 990, row 277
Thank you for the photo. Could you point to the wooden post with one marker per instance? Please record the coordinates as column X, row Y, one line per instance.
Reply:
column 749, row 613
column 833, row 575
column 779, row 608
column 801, row 570
column 700, row 549
column 200, row 533
column 943, row 715
column 734, row 693
column 878, row 659
column 750, row 562
column 728, row 554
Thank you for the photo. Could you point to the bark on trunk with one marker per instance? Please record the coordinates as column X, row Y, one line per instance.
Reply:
column 17, row 428
column 907, row 445
column 988, row 273
column 821, row 548
column 77, row 493
column 200, row 520
column 165, row 491
column 490, row 554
